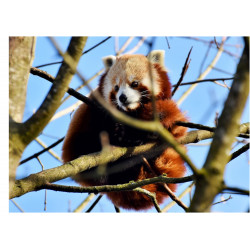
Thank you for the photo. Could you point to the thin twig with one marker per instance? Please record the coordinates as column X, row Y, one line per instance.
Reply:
column 84, row 203
column 206, row 56
column 206, row 80
column 94, row 204
column 172, row 203
column 217, row 45
column 224, row 200
column 113, row 188
column 98, row 44
column 42, row 151
column 13, row 201
column 151, row 195
column 117, row 209
column 212, row 129
column 137, row 46
column 167, row 42
column 184, row 70
column 52, row 153
column 222, row 70
column 240, row 151
column 202, row 75
column 125, row 45
column 45, row 194
column 49, row 64
column 167, row 189
column 238, row 190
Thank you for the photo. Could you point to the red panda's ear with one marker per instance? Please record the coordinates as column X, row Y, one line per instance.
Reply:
column 108, row 61
column 157, row 56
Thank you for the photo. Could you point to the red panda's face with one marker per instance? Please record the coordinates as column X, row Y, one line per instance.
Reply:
column 129, row 82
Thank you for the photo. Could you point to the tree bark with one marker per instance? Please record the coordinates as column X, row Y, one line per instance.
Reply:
column 21, row 55
column 21, row 134
column 210, row 181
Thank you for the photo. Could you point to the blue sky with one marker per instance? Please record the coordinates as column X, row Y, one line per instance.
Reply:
column 201, row 107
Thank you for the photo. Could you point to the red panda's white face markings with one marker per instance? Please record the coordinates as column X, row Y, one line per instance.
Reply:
column 128, row 83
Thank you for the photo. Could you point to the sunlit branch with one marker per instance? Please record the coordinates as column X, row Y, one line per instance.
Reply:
column 172, row 203
column 203, row 75
column 95, row 202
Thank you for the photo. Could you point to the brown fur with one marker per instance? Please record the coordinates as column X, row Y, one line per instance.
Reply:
column 83, row 138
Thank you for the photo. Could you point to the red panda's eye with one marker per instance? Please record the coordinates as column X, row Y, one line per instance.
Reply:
column 116, row 88
column 134, row 84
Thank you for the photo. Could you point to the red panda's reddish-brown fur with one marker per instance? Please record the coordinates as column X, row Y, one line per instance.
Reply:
column 83, row 137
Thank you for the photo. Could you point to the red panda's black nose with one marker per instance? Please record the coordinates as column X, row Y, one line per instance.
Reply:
column 123, row 98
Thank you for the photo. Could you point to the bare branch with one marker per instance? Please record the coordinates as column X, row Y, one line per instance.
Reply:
column 240, row 151
column 42, row 151
column 152, row 196
column 84, row 203
column 230, row 197
column 14, row 202
column 217, row 45
column 85, row 52
column 172, row 203
column 167, row 189
column 34, row 125
column 210, row 182
column 202, row 75
column 237, row 190
column 244, row 128
column 206, row 80
column 184, row 70
column 94, row 204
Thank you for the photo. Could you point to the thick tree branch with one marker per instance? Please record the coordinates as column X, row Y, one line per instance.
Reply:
column 21, row 134
column 34, row 125
column 210, row 181
column 90, row 161
column 21, row 54
column 153, row 126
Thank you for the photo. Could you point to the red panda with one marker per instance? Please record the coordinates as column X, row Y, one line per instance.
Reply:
column 128, row 84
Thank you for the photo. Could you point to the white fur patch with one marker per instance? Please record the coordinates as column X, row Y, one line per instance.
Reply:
column 107, row 89
column 133, row 97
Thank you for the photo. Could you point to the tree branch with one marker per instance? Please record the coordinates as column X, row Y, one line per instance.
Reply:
column 205, row 80
column 203, row 74
column 89, row 161
column 152, row 126
column 34, row 125
column 243, row 132
column 184, row 70
column 210, row 181
column 114, row 188
column 238, row 190
column 85, row 52
column 239, row 152
column 151, row 195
